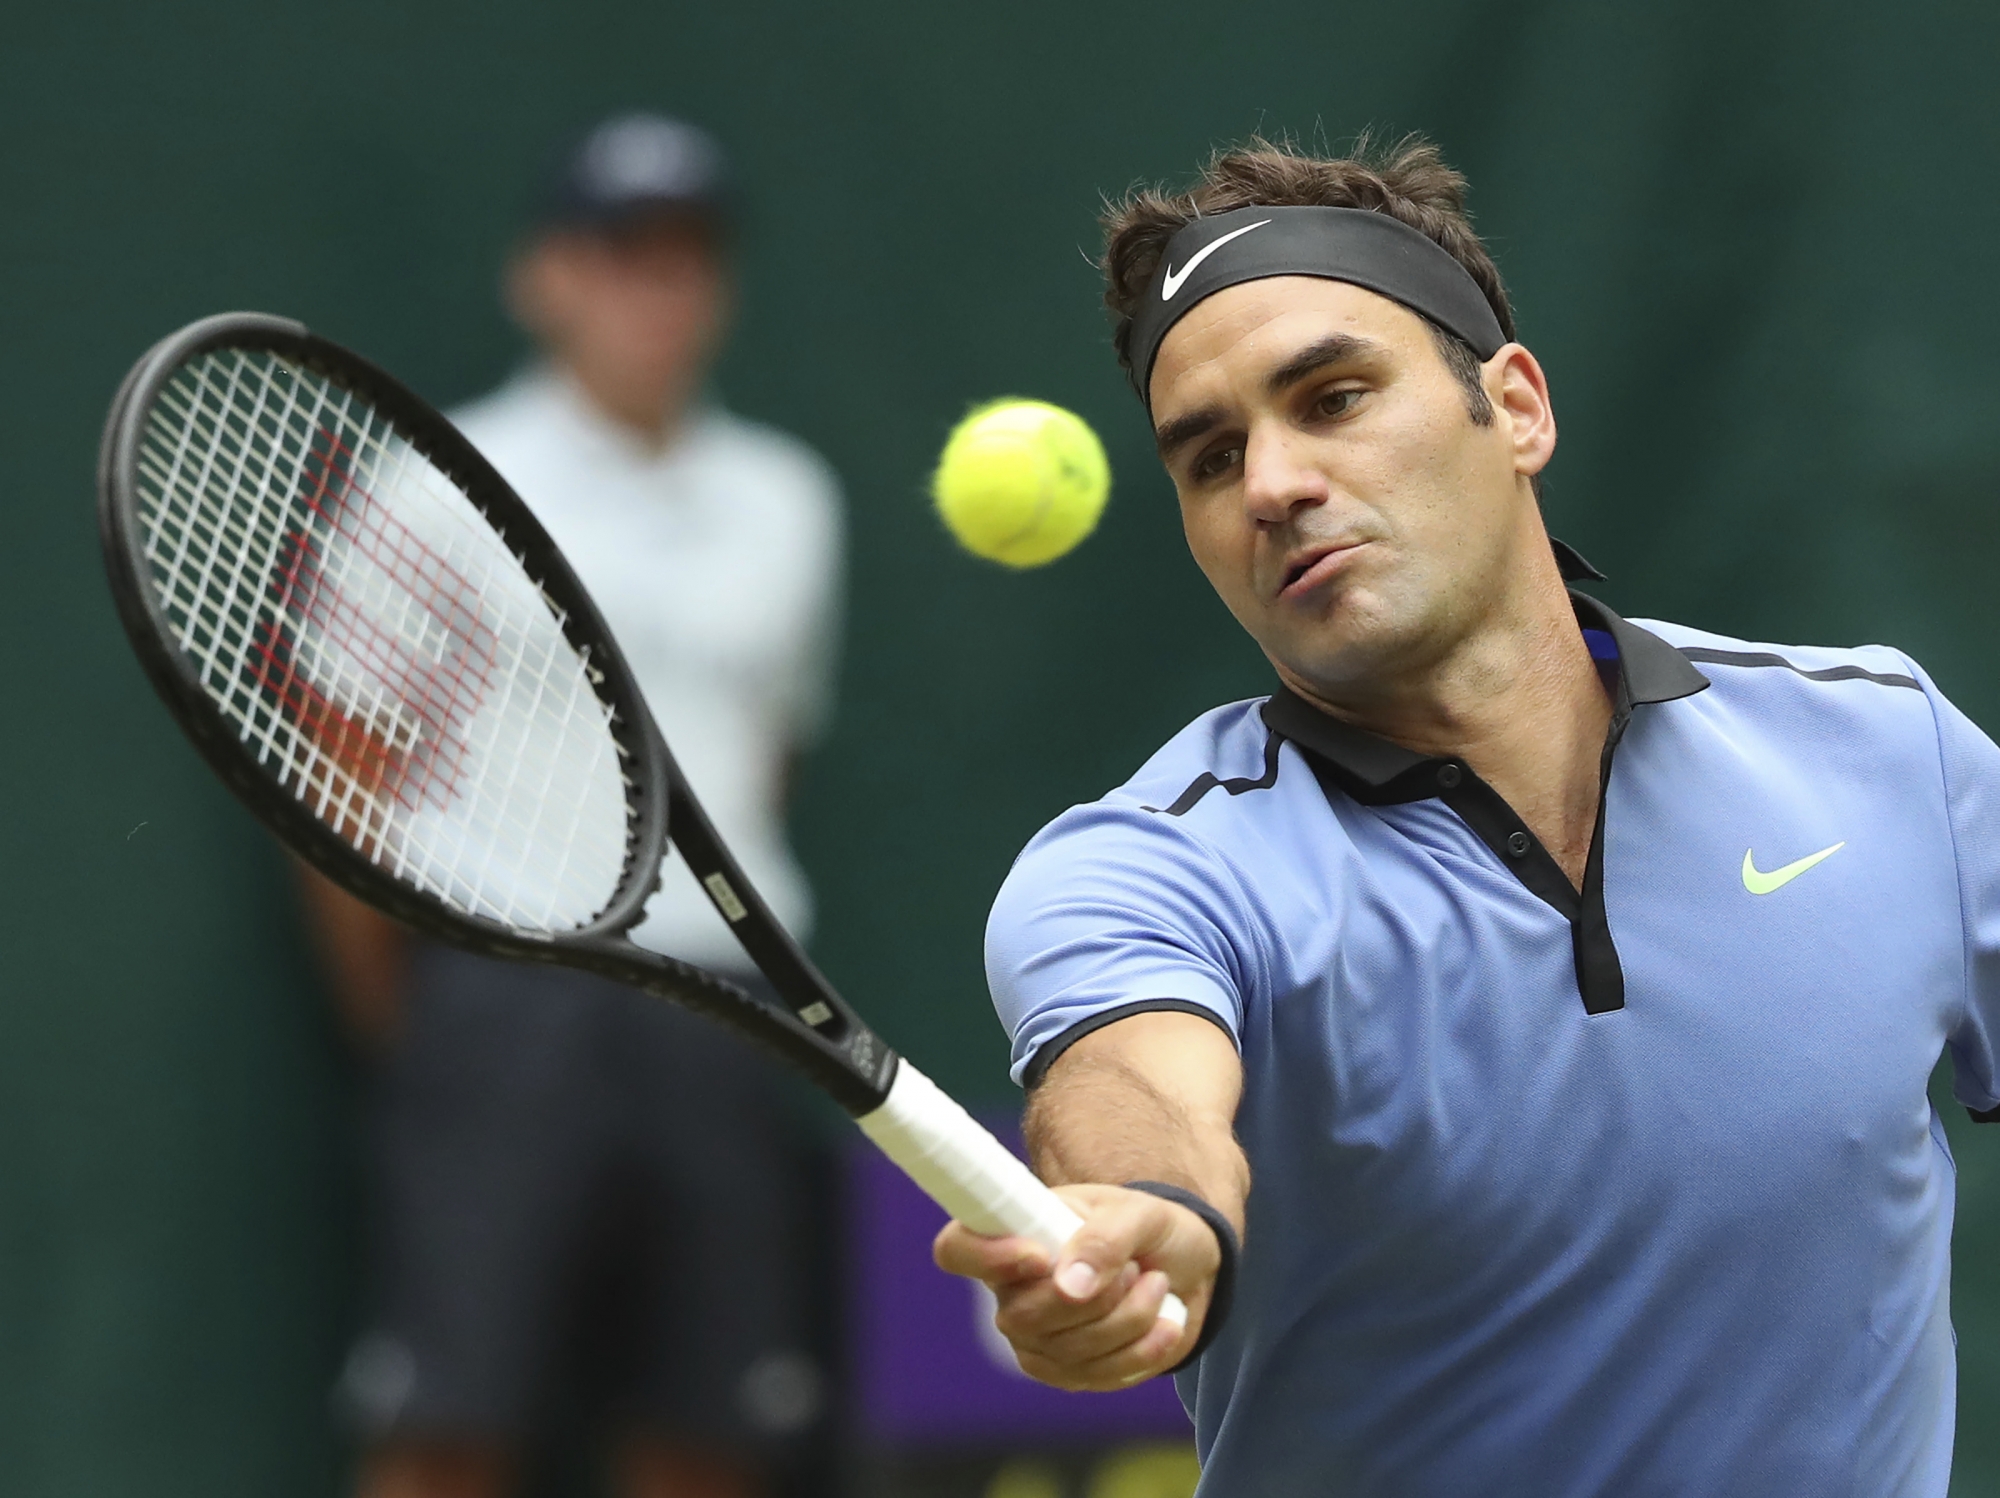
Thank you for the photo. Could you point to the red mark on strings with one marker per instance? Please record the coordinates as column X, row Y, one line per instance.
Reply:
column 376, row 649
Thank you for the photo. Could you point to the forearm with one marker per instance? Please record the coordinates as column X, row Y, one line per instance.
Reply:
column 1150, row 1098
column 364, row 955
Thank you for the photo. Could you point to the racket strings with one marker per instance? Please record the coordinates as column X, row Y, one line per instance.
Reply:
column 378, row 646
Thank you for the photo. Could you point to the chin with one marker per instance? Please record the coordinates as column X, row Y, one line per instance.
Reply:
column 1358, row 642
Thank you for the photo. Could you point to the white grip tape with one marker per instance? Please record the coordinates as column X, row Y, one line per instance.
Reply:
column 968, row 1172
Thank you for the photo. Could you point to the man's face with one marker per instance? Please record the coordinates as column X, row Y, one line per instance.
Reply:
column 636, row 312
column 1333, row 484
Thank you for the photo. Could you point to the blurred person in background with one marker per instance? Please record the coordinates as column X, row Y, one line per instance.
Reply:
column 588, row 1204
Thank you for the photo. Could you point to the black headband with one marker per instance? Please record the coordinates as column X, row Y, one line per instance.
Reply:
column 1358, row 245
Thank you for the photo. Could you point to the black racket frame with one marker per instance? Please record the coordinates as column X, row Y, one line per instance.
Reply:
column 839, row 1054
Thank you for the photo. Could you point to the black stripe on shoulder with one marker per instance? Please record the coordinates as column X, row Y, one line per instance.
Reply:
column 1765, row 658
column 1205, row 782
column 1051, row 1051
column 1986, row 1115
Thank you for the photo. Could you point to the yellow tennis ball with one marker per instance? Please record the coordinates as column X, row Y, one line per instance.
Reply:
column 1021, row 482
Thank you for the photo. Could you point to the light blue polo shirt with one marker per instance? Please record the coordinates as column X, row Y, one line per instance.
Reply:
column 1632, row 1192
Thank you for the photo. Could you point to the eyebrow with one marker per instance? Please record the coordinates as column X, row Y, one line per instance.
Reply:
column 1335, row 348
column 1182, row 430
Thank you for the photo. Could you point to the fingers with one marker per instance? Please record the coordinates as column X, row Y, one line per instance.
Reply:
column 997, row 1261
column 1114, row 1339
column 1089, row 1318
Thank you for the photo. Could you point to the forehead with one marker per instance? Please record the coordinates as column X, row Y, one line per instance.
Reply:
column 662, row 240
column 1244, row 331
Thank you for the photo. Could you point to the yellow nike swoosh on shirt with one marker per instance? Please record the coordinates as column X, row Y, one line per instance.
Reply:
column 1759, row 883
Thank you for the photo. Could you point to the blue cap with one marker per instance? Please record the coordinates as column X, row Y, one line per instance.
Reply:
column 633, row 166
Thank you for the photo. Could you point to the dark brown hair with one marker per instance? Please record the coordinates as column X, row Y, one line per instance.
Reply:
column 1408, row 180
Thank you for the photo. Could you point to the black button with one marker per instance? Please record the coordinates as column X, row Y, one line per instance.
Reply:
column 1517, row 843
column 1450, row 776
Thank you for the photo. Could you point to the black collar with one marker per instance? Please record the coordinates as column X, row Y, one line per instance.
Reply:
column 1649, row 669
column 1378, row 771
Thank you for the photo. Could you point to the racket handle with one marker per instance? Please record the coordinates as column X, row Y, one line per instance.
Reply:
column 968, row 1172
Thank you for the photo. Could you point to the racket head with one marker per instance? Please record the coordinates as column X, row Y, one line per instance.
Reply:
column 374, row 644
column 328, row 646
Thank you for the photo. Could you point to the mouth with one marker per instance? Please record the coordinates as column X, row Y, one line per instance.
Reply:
column 1310, row 568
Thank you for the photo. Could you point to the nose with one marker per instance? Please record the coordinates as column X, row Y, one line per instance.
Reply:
column 1277, row 484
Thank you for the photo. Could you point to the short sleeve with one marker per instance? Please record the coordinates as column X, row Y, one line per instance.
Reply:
column 1114, row 910
column 1971, row 765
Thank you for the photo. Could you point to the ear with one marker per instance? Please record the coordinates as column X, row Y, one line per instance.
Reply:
column 1519, row 391
column 725, row 295
column 722, row 308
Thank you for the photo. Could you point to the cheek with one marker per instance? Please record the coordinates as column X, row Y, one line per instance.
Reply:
column 648, row 322
column 1429, row 465
column 1419, row 437
column 1221, row 542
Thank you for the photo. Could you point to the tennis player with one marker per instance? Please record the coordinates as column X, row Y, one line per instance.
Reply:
column 1511, row 1036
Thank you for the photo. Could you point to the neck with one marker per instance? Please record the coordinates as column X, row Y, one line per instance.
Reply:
column 651, row 416
column 1519, row 700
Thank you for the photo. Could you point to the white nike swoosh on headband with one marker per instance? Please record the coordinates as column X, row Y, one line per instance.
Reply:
column 1176, row 279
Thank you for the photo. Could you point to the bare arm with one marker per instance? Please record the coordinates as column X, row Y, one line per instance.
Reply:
column 363, row 953
column 1154, row 1098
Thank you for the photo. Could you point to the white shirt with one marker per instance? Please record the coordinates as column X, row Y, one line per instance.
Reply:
column 716, row 561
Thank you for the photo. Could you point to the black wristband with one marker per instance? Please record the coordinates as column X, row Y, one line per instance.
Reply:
column 1224, row 1292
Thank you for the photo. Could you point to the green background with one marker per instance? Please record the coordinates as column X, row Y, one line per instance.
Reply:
column 1753, row 242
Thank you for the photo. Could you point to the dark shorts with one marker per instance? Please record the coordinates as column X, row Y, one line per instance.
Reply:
column 582, row 1197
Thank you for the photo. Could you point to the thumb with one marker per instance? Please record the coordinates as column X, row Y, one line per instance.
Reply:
column 1079, row 1279
column 1120, row 1230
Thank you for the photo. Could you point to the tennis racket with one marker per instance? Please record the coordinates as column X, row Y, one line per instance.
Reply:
column 371, row 640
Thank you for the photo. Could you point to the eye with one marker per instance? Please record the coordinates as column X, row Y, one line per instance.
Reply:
column 1336, row 402
column 1215, row 462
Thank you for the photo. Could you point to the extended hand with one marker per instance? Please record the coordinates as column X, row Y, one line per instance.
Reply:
column 1090, row 1319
